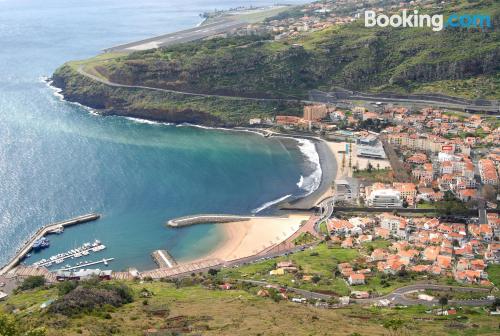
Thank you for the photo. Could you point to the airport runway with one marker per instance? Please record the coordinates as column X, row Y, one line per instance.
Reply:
column 182, row 36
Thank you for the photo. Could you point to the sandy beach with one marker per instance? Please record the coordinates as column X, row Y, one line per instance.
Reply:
column 247, row 238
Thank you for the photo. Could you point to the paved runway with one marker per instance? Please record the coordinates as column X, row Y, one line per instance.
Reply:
column 182, row 36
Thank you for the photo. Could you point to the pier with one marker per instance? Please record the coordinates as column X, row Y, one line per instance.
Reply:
column 104, row 261
column 204, row 219
column 26, row 248
column 163, row 259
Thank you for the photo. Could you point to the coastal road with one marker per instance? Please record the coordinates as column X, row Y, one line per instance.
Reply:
column 182, row 36
column 398, row 296
column 327, row 97
column 82, row 72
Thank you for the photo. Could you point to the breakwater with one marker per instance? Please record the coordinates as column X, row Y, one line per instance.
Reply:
column 204, row 219
column 43, row 231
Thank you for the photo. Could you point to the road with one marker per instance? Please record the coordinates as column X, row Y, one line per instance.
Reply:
column 182, row 36
column 327, row 97
column 82, row 71
column 398, row 296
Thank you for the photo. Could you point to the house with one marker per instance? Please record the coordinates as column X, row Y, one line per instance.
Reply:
column 356, row 279
column 395, row 224
column 381, row 232
column 430, row 253
column 278, row 271
column 466, row 195
column 339, row 226
column 347, row 243
column 226, row 286
column 360, row 294
column 378, row 255
column 444, row 261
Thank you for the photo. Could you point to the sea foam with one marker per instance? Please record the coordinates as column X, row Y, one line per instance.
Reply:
column 270, row 203
column 310, row 183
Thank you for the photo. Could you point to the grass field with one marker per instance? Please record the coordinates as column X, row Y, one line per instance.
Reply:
column 494, row 274
column 194, row 310
column 376, row 175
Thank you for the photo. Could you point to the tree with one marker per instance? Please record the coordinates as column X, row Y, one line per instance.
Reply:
column 8, row 326
column 213, row 272
column 32, row 282
column 489, row 193
column 369, row 167
column 394, row 326
column 443, row 301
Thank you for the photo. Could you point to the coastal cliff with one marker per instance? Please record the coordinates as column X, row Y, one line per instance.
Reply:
column 163, row 106
column 221, row 72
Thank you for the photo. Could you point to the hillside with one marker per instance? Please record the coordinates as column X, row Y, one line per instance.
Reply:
column 460, row 62
column 196, row 306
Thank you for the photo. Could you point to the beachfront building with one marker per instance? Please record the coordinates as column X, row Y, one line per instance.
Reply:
column 343, row 191
column 385, row 198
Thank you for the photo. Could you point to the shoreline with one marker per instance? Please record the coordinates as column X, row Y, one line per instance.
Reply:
column 243, row 239
column 240, row 239
column 327, row 160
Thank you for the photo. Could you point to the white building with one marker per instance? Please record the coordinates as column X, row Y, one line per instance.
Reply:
column 343, row 191
column 385, row 198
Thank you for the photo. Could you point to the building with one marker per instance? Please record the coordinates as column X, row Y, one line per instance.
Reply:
column 356, row 279
column 83, row 274
column 488, row 172
column 385, row 198
column 315, row 112
column 408, row 191
column 343, row 191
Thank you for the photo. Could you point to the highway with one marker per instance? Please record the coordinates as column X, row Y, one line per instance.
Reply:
column 327, row 97
column 182, row 36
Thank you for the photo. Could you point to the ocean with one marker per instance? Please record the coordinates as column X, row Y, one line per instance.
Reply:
column 58, row 160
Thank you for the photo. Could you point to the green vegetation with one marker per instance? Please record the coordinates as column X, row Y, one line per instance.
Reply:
column 166, row 106
column 190, row 308
column 375, row 175
column 32, row 282
column 494, row 274
column 319, row 263
column 450, row 205
column 323, row 228
column 454, row 61
column 376, row 244
column 91, row 296
column 304, row 238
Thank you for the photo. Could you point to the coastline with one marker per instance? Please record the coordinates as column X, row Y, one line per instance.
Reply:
column 325, row 162
column 243, row 239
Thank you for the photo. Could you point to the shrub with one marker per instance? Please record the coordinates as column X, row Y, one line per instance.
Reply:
column 87, row 298
column 66, row 287
column 32, row 282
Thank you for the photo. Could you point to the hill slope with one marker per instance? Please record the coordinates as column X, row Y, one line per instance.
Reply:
column 463, row 62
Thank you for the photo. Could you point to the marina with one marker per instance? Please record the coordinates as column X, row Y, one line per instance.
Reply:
column 78, row 252
column 103, row 261
column 41, row 233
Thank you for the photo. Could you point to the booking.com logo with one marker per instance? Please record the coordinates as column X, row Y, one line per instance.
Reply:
column 437, row 21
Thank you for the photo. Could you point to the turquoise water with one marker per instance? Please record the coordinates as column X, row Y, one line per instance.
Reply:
column 58, row 161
